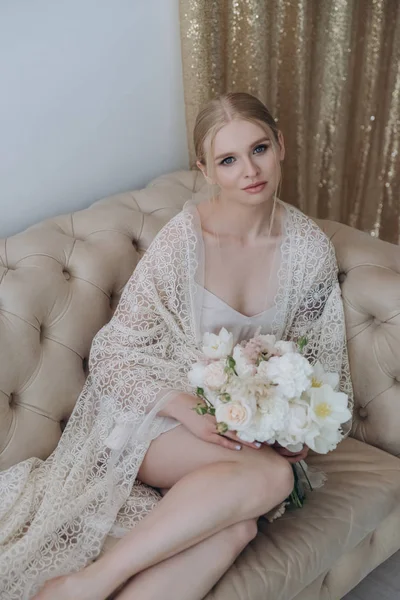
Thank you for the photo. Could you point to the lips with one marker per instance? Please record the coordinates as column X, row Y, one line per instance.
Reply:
column 254, row 185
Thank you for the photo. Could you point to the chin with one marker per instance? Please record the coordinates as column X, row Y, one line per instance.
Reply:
column 256, row 200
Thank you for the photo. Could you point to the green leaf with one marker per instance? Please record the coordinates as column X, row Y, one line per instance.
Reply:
column 231, row 362
column 201, row 409
column 225, row 397
column 222, row 428
column 302, row 342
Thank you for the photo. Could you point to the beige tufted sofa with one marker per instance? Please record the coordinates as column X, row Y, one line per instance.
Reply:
column 60, row 281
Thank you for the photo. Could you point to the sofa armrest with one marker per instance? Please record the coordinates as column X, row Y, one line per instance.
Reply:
column 369, row 273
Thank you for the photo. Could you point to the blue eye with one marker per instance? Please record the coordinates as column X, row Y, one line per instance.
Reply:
column 260, row 149
column 228, row 158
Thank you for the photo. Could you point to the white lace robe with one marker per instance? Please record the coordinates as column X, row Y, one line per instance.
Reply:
column 55, row 514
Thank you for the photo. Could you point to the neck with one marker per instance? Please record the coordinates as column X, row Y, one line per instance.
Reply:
column 244, row 222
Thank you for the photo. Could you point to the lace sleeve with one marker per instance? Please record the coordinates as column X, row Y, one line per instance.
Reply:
column 141, row 356
column 319, row 315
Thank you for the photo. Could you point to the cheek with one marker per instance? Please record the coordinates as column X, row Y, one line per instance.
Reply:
column 272, row 163
column 227, row 176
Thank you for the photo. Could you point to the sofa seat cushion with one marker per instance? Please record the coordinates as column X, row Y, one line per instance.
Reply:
column 363, row 488
column 357, row 563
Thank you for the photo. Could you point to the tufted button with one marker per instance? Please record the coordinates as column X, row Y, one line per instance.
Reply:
column 372, row 538
column 67, row 274
column 135, row 244
column 85, row 365
column 63, row 424
column 362, row 413
column 12, row 401
column 342, row 276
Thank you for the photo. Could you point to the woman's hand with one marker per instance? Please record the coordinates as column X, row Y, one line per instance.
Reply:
column 203, row 426
column 292, row 457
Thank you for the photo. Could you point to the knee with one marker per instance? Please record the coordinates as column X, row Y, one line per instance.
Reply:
column 241, row 534
column 246, row 531
column 272, row 482
column 283, row 479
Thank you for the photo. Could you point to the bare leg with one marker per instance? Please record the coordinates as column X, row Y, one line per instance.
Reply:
column 211, row 488
column 191, row 574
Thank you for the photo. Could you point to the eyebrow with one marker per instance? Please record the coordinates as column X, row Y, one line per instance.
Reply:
column 263, row 139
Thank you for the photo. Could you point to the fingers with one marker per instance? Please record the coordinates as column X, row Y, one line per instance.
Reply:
column 285, row 452
column 295, row 458
column 233, row 436
column 223, row 441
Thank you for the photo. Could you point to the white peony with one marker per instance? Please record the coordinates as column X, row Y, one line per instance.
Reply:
column 285, row 347
column 267, row 427
column 237, row 415
column 218, row 346
column 244, row 367
column 320, row 376
column 276, row 408
column 298, row 423
column 196, row 375
column 260, row 429
column 251, row 433
column 290, row 372
column 214, row 375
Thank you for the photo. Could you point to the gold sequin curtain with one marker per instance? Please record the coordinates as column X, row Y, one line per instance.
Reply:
column 329, row 71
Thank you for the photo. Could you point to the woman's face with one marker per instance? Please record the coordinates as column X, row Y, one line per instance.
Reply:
column 243, row 156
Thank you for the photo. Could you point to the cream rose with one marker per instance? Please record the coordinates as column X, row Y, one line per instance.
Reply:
column 236, row 415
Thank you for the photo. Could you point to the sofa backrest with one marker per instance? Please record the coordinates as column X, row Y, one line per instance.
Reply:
column 61, row 280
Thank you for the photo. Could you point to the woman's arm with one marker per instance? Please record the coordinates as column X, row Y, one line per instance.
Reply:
column 139, row 360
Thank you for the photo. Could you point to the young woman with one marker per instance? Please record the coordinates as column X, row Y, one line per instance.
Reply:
column 135, row 461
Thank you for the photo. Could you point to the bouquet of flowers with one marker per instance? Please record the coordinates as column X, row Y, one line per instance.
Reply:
column 265, row 390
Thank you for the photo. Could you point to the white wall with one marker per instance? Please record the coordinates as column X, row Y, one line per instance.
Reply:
column 91, row 102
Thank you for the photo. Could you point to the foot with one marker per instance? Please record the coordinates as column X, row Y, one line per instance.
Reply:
column 66, row 587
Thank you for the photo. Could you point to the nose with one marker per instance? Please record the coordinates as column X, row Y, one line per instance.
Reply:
column 250, row 168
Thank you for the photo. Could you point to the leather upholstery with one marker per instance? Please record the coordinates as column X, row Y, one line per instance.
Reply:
column 60, row 281
column 310, row 545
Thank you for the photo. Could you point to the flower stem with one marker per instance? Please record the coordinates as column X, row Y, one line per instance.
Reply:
column 306, row 476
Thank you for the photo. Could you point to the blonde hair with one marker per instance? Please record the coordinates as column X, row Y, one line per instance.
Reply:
column 221, row 111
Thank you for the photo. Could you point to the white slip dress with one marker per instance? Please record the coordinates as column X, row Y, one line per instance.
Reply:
column 215, row 314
